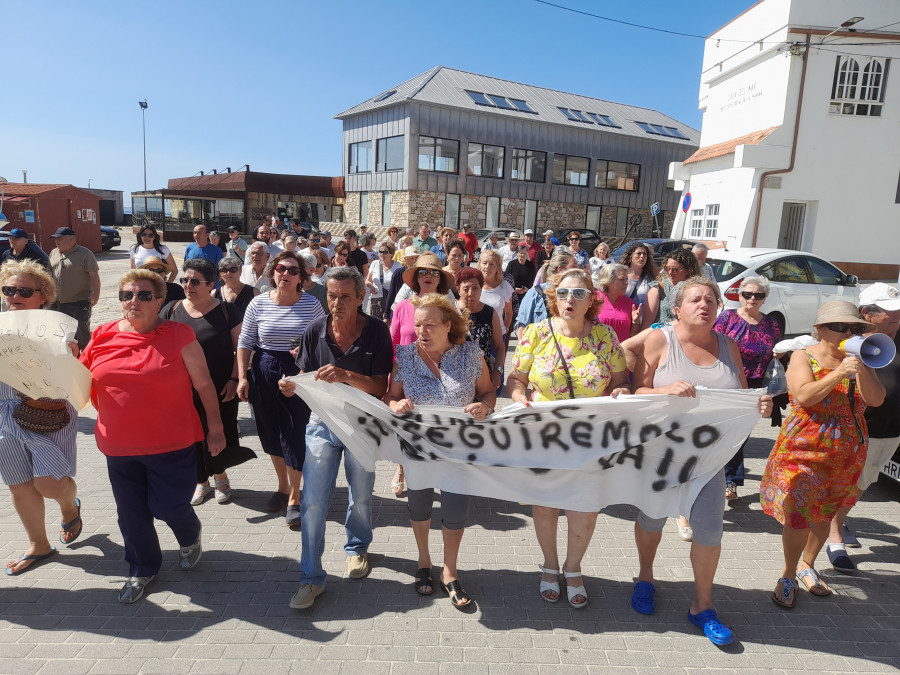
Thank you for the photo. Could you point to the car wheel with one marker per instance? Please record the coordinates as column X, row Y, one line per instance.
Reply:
column 476, row 255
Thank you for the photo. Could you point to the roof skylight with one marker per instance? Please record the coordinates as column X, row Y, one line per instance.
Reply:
column 385, row 95
column 660, row 130
column 502, row 102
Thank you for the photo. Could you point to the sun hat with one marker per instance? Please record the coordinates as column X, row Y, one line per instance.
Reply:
column 427, row 261
column 513, row 235
column 884, row 296
column 410, row 251
column 841, row 311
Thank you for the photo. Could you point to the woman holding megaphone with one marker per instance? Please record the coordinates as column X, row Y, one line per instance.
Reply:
column 814, row 467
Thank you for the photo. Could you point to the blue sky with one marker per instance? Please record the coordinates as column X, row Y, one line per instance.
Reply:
column 230, row 83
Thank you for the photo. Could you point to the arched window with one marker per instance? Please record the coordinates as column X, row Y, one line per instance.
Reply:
column 870, row 89
column 859, row 91
column 848, row 75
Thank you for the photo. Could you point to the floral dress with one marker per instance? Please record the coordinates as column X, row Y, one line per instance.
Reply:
column 820, row 452
column 591, row 360
column 756, row 341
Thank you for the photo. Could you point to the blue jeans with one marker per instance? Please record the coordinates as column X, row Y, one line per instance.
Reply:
column 320, row 469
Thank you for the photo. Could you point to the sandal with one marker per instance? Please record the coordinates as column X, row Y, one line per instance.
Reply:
column 66, row 528
column 200, row 494
column 643, row 598
column 810, row 578
column 423, row 581
column 574, row 591
column 552, row 586
column 35, row 560
column 787, row 596
column 730, row 491
column 717, row 632
column 223, row 491
column 458, row 596
column 398, row 485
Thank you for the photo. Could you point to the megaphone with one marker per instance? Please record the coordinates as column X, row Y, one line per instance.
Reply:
column 876, row 350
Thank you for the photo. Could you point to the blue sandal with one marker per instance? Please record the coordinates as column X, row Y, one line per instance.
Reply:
column 717, row 632
column 643, row 598
column 67, row 528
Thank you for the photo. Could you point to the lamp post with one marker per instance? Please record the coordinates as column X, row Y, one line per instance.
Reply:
column 852, row 21
column 143, row 105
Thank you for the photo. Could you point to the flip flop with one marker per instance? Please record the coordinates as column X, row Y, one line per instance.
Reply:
column 36, row 560
column 717, row 632
column 810, row 578
column 67, row 527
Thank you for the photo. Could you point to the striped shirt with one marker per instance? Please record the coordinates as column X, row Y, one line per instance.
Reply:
column 273, row 327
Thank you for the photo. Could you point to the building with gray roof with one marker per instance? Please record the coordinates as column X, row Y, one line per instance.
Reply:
column 449, row 147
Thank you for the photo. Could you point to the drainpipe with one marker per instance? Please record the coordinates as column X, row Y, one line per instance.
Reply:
column 766, row 174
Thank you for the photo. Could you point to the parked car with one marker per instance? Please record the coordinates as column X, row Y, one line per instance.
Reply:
column 800, row 283
column 109, row 237
column 485, row 234
column 661, row 247
column 589, row 238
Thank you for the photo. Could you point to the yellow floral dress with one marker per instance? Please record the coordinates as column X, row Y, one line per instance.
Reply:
column 591, row 361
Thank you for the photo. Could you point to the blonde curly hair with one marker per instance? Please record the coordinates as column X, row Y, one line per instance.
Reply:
column 31, row 268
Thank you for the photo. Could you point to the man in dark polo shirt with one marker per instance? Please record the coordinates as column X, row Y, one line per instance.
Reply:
column 77, row 278
column 23, row 248
column 354, row 348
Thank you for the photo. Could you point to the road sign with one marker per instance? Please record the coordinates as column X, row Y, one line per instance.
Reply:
column 686, row 202
column 654, row 209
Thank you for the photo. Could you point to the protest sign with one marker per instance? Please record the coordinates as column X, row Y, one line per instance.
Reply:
column 655, row 452
column 35, row 359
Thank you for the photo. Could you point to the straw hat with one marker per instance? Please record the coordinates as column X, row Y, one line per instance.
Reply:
column 840, row 311
column 153, row 261
column 427, row 261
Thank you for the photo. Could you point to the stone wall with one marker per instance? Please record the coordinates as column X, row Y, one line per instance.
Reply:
column 557, row 215
column 351, row 207
column 400, row 209
column 426, row 208
column 374, row 215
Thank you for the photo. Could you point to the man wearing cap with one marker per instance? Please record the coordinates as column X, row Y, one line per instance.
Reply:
column 470, row 241
column 508, row 251
column 533, row 247
column 77, row 278
column 22, row 248
column 236, row 247
column 326, row 244
column 548, row 234
column 879, row 304
column 424, row 241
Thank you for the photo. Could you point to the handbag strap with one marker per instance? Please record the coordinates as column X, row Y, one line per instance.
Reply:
column 562, row 359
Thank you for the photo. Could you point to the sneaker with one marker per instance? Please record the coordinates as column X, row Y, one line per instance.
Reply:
column 306, row 596
column 133, row 590
column 188, row 556
column 358, row 566
column 200, row 494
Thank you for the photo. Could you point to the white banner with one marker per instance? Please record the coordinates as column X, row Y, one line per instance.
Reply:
column 35, row 359
column 655, row 452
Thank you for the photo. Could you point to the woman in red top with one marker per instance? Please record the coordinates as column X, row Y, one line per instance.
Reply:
column 143, row 369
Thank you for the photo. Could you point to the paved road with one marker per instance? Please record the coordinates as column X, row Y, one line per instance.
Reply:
column 230, row 614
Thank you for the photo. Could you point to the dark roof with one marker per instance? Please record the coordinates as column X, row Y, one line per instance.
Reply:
column 256, row 181
column 448, row 87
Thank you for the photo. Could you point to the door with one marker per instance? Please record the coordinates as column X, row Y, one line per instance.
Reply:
column 829, row 281
column 793, row 216
column 793, row 294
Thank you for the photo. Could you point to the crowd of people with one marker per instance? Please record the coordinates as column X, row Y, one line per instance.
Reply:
column 414, row 320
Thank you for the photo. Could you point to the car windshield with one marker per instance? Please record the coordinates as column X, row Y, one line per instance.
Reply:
column 725, row 269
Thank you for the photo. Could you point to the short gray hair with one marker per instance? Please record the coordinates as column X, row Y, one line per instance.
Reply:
column 344, row 273
column 258, row 244
column 309, row 259
column 762, row 282
column 700, row 246
column 606, row 274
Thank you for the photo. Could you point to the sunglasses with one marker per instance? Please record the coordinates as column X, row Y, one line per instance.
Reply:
column 146, row 234
column 853, row 328
column 574, row 239
column 24, row 291
column 193, row 282
column 576, row 293
column 158, row 270
column 674, row 270
column 429, row 273
column 143, row 296
column 384, row 253
column 746, row 295
column 292, row 271
column 314, row 241
column 230, row 270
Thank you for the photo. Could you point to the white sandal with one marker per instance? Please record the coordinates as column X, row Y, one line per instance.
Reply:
column 549, row 585
column 572, row 591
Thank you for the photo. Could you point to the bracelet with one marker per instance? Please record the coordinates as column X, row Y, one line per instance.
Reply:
column 490, row 409
column 233, row 379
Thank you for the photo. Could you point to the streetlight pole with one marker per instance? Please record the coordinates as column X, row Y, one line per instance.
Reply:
column 143, row 105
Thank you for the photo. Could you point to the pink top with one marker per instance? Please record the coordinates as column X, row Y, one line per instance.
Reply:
column 403, row 331
column 617, row 316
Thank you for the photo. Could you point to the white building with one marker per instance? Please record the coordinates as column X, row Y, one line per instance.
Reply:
column 800, row 144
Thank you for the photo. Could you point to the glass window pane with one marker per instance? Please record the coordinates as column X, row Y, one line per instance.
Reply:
column 360, row 157
column 577, row 170
column 446, row 155
column 559, row 169
column 568, row 114
column 521, row 105
column 500, row 102
column 478, row 98
column 389, row 154
column 592, row 219
column 824, row 273
column 426, row 153
column 600, row 171
column 580, row 115
column 451, row 211
column 493, row 212
column 492, row 161
column 473, row 163
column 531, row 209
column 386, row 208
column 363, row 207
column 621, row 221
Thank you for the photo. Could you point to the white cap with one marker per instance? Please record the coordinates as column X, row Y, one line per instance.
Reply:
column 882, row 295
column 548, row 233
column 529, row 231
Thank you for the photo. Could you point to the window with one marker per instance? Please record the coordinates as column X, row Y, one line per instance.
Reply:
column 531, row 211
column 501, row 102
column 386, row 208
column 574, row 115
column 451, row 211
column 530, row 165
column 621, row 221
column 824, row 273
column 479, row 98
column 712, row 221
column 385, row 95
column 438, row 154
column 858, row 90
column 617, row 176
column 485, row 160
column 492, row 212
column 697, row 223
column 603, row 120
column 360, row 157
column 389, row 154
column 570, row 170
column 789, row 270
column 660, row 130
column 592, row 218
column 363, row 207
column 496, row 101
column 522, row 105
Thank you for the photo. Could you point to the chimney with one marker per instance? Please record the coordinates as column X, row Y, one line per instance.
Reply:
column 201, row 173
column 227, row 169
column 214, row 172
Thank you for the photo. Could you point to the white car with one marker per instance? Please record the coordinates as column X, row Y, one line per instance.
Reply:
column 484, row 236
column 800, row 283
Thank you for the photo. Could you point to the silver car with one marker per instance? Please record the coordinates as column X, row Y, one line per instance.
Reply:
column 800, row 283
column 484, row 236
